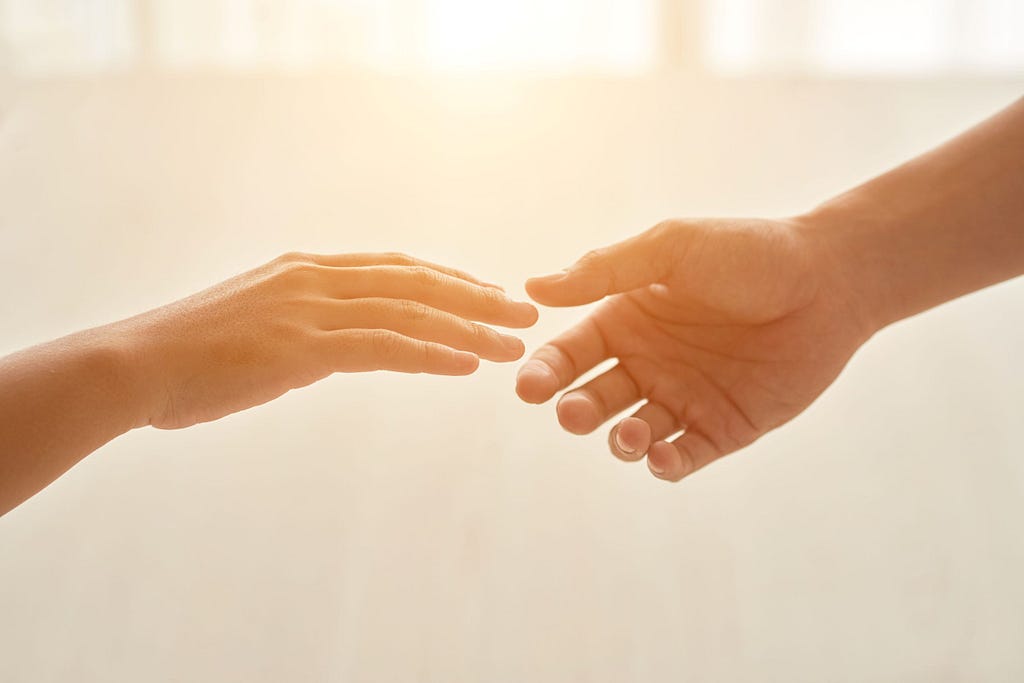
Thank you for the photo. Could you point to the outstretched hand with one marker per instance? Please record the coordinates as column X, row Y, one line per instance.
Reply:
column 302, row 317
column 725, row 329
column 238, row 344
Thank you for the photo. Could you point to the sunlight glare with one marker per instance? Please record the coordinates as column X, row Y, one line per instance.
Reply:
column 567, row 35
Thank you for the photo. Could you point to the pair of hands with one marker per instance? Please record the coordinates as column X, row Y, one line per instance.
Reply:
column 722, row 329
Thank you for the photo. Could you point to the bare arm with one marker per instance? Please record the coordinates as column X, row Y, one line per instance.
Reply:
column 59, row 402
column 241, row 343
column 725, row 329
column 942, row 225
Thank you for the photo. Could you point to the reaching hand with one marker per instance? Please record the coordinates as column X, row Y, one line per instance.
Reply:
column 302, row 317
column 725, row 328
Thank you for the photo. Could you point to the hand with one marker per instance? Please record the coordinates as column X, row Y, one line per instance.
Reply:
column 302, row 317
column 726, row 328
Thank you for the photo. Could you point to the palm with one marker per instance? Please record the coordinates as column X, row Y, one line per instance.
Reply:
column 739, row 379
column 737, row 338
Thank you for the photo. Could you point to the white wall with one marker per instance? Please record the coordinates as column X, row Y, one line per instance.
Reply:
column 392, row 528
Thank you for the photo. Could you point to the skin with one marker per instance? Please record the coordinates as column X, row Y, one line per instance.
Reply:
column 726, row 329
column 239, row 344
column 723, row 329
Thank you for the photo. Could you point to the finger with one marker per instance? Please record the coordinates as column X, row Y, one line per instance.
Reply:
column 683, row 456
column 433, row 288
column 394, row 259
column 419, row 321
column 560, row 362
column 632, row 437
column 642, row 260
column 583, row 410
column 357, row 350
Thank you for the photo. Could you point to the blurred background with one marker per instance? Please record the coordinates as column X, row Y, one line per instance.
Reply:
column 393, row 528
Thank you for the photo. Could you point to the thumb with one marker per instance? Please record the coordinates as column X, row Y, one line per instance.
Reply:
column 644, row 259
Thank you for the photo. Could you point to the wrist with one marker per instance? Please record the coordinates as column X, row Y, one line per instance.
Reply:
column 843, row 236
column 112, row 359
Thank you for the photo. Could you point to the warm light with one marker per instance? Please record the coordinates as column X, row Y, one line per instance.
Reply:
column 540, row 34
column 562, row 37
column 883, row 36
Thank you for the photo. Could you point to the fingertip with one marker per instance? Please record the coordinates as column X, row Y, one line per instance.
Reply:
column 529, row 315
column 536, row 382
column 630, row 439
column 522, row 314
column 663, row 461
column 465, row 363
column 533, row 316
column 516, row 347
column 578, row 414
column 541, row 289
column 511, row 350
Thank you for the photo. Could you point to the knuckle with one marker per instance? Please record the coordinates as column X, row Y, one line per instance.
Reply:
column 398, row 258
column 674, row 239
column 385, row 344
column 480, row 334
column 425, row 277
column 294, row 257
column 493, row 298
column 592, row 257
column 297, row 275
column 292, row 309
column 423, row 353
column 412, row 310
column 667, row 227
column 667, row 231
column 288, row 331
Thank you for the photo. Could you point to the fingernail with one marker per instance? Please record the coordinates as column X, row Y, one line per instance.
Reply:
column 623, row 448
column 654, row 468
column 554, row 277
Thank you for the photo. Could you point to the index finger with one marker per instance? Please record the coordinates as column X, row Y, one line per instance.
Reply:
column 394, row 259
column 434, row 288
column 557, row 364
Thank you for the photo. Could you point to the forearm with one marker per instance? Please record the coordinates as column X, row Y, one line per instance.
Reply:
column 239, row 344
column 59, row 402
column 942, row 225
